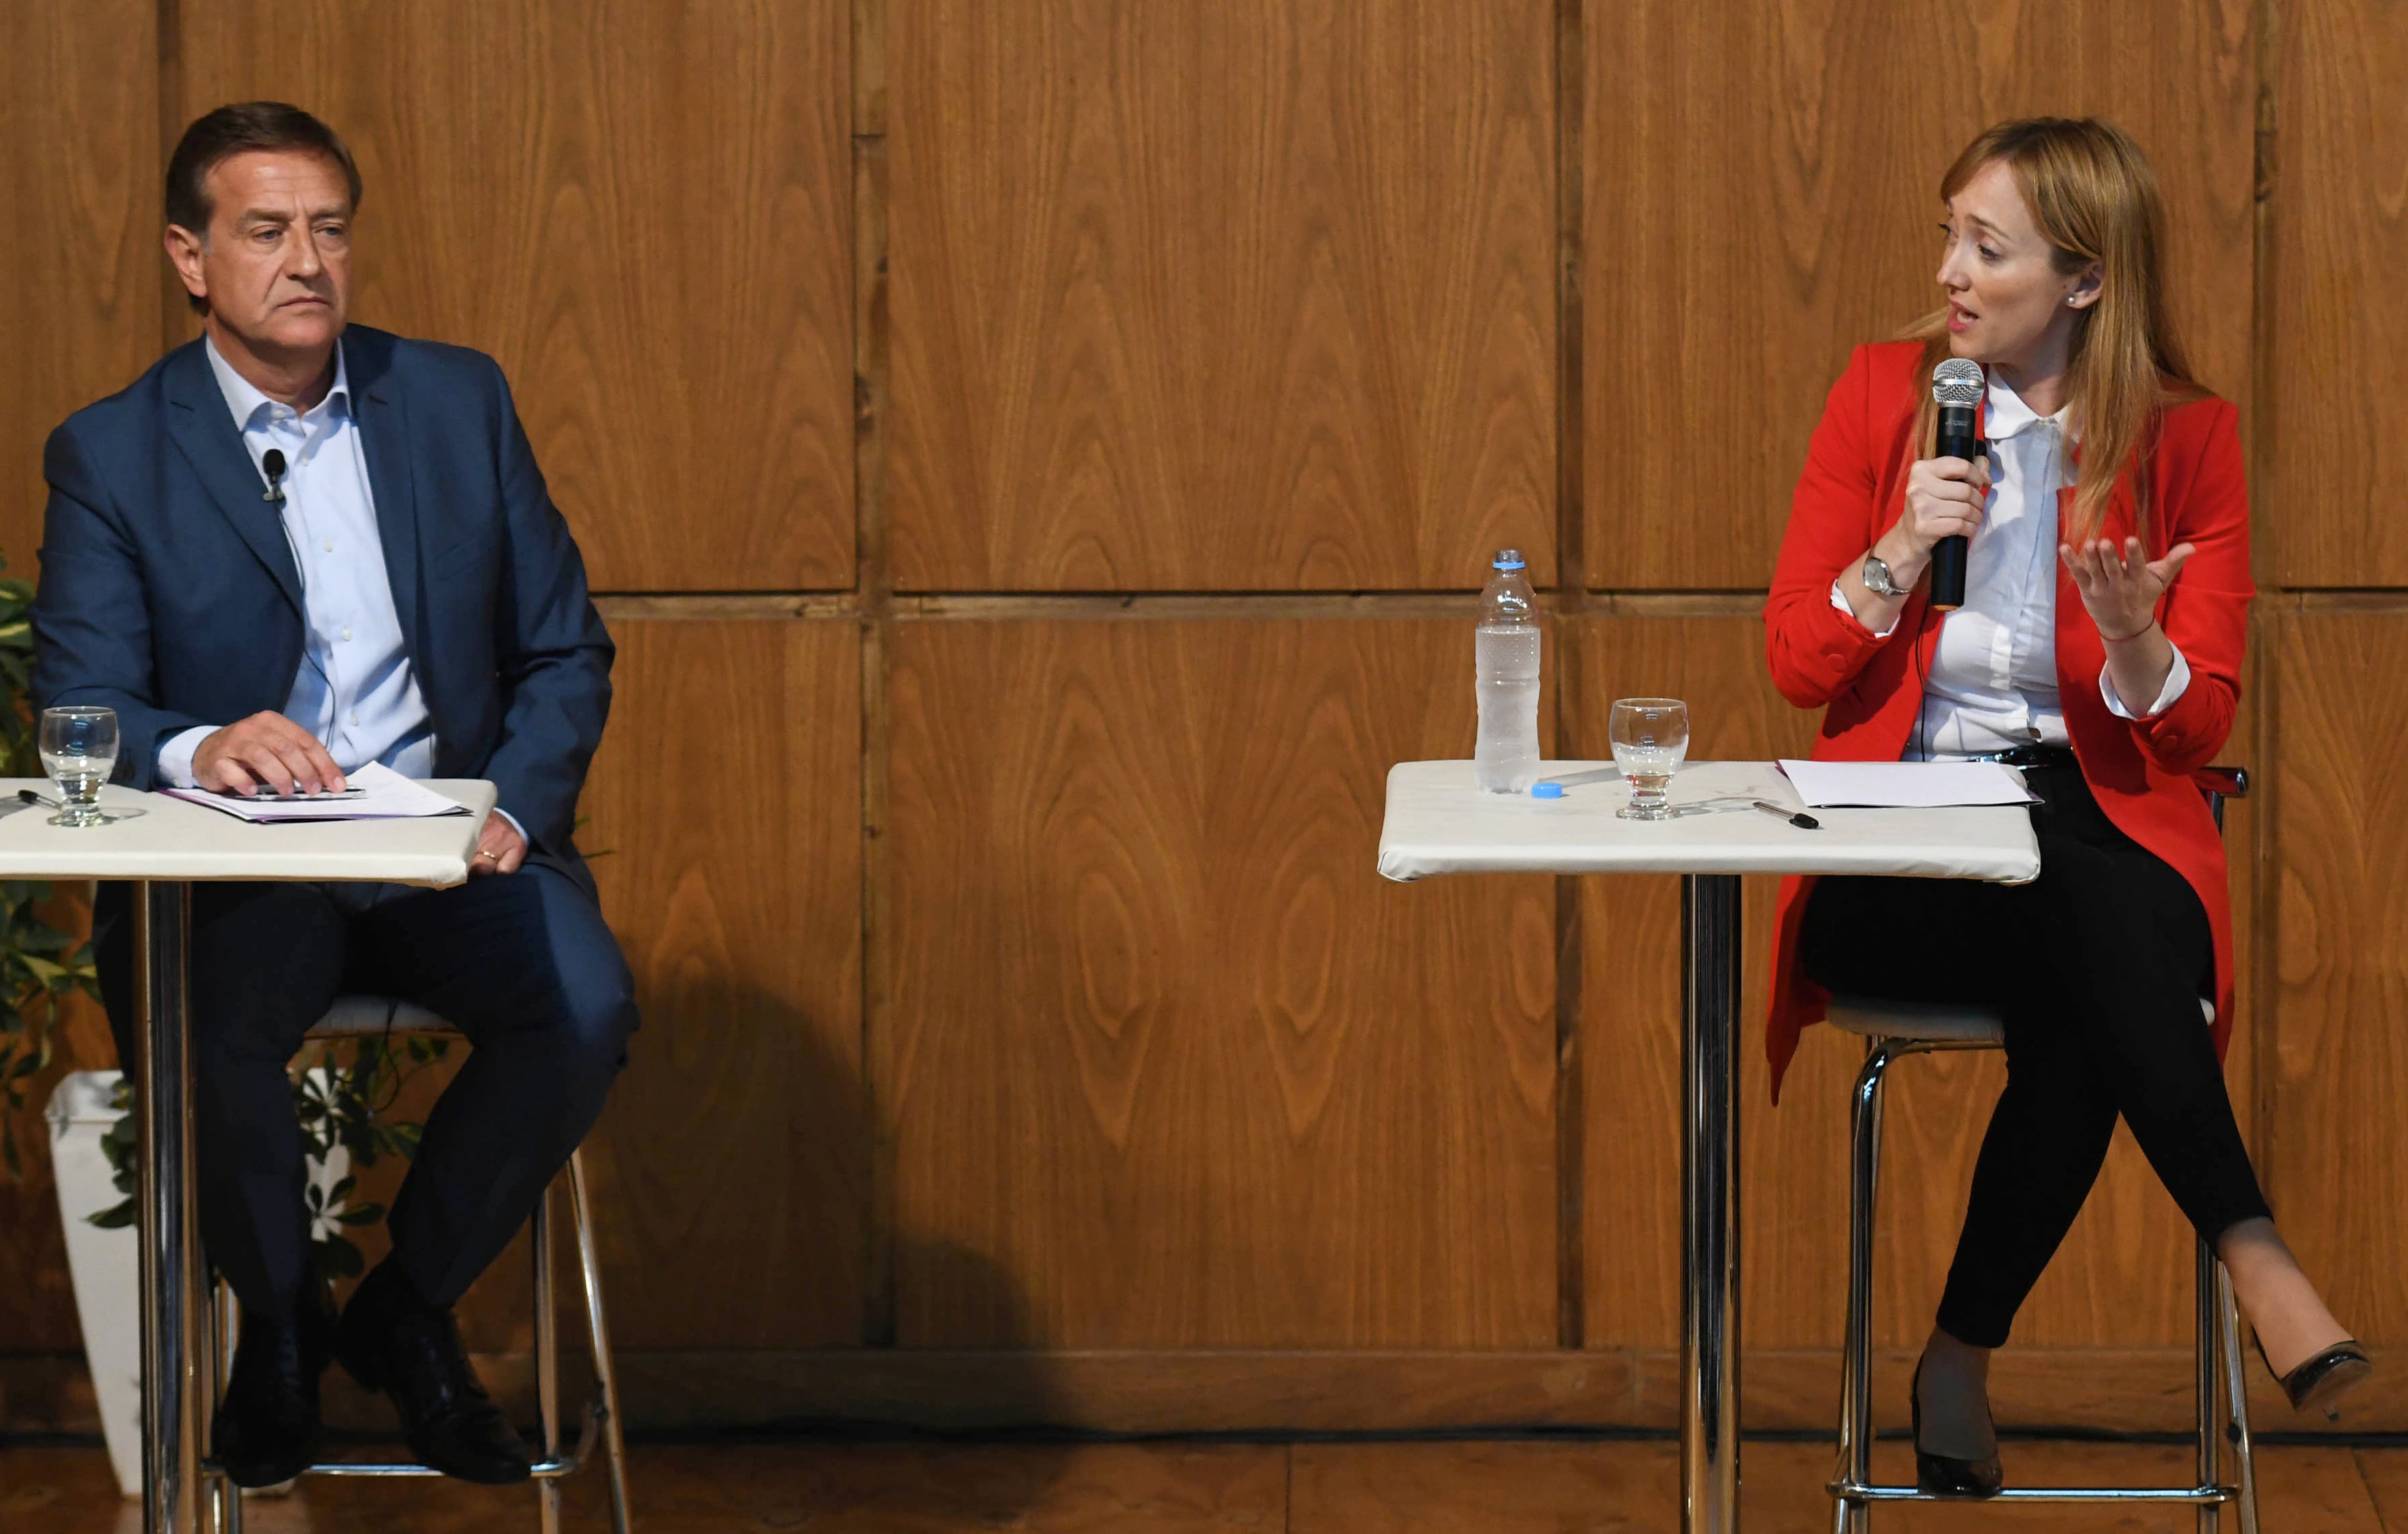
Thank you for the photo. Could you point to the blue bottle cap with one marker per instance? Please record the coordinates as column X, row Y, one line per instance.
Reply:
column 1507, row 559
column 1547, row 790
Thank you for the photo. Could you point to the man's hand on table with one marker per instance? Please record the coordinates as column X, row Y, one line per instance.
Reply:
column 265, row 751
column 499, row 848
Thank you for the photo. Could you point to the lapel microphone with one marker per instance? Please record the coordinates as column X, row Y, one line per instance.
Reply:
column 1956, row 386
column 272, row 462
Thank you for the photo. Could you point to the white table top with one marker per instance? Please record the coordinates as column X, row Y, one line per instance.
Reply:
column 1439, row 822
column 173, row 840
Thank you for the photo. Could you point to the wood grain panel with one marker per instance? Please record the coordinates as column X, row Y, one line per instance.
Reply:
column 733, row 1162
column 2120, row 1281
column 2339, row 913
column 79, row 104
column 2336, row 364
column 1192, row 296
column 643, row 211
column 1171, row 1064
column 1760, row 198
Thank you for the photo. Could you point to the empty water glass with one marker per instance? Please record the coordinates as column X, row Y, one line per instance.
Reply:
column 78, row 748
column 1651, row 738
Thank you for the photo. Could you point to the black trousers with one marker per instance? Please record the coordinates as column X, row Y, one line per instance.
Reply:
column 2097, row 967
column 520, row 963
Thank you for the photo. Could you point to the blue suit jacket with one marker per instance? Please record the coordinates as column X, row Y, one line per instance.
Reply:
column 168, row 592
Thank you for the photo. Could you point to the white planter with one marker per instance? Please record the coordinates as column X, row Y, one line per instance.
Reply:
column 106, row 1265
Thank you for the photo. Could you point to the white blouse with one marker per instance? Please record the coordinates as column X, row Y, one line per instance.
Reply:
column 1992, row 681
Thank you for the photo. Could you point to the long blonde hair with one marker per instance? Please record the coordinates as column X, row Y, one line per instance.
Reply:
column 2096, row 200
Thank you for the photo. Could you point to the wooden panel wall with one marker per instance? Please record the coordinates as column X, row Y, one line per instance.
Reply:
column 2336, row 355
column 1199, row 296
column 80, row 105
column 1762, row 195
column 725, row 809
column 1163, row 1049
column 1056, row 440
column 643, row 210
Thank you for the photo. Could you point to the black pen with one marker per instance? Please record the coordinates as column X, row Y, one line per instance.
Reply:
column 1803, row 821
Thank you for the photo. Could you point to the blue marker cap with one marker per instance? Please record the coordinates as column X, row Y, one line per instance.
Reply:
column 1547, row 790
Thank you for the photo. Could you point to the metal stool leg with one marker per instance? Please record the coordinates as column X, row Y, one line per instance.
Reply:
column 2236, row 1396
column 2203, row 1369
column 547, row 1359
column 1849, row 1516
column 223, row 1505
column 605, row 1371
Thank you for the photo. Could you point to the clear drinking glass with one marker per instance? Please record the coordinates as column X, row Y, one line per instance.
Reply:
column 1651, row 738
column 78, row 749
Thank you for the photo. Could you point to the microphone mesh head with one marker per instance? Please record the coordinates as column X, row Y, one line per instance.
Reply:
column 1957, row 382
column 273, row 462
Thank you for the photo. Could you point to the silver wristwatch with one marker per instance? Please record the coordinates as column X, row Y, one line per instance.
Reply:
column 1877, row 579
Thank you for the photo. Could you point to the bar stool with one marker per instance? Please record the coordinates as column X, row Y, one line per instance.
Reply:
column 382, row 1017
column 1892, row 1029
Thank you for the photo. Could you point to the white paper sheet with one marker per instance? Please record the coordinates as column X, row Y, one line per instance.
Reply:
column 1905, row 786
column 389, row 796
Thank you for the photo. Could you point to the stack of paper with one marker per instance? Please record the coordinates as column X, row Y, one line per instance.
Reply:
column 385, row 795
column 1905, row 786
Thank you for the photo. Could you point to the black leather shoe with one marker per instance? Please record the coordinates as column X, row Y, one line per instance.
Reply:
column 394, row 1341
column 2323, row 1378
column 1938, row 1475
column 266, row 1429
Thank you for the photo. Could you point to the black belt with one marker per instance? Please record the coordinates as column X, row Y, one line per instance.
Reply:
column 2033, row 757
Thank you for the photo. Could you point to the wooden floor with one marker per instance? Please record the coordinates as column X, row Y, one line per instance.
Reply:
column 1352, row 1488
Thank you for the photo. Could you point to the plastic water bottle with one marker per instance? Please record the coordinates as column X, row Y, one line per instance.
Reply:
column 1505, row 660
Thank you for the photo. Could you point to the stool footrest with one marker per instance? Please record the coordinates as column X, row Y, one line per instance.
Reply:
column 2179, row 1495
column 544, row 1469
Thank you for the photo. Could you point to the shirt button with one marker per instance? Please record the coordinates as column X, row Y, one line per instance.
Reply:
column 347, row 634
column 330, row 546
column 355, row 719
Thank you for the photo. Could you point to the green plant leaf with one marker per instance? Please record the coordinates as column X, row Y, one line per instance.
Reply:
column 337, row 1258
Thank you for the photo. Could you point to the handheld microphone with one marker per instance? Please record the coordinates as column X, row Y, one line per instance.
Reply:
column 272, row 462
column 1956, row 388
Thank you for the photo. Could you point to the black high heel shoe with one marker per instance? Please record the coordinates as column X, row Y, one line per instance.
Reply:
column 2323, row 1378
column 1937, row 1475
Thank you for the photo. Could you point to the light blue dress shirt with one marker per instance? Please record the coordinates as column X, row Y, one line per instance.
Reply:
column 355, row 690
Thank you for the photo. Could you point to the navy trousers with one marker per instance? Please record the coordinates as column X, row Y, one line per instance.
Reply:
column 520, row 963
column 2097, row 970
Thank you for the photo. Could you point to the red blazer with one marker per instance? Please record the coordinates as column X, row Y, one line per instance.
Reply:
column 1853, row 489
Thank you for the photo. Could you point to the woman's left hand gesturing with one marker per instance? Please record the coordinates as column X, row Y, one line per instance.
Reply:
column 2121, row 590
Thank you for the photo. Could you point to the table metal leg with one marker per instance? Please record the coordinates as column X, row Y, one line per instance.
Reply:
column 1710, row 983
column 169, row 1226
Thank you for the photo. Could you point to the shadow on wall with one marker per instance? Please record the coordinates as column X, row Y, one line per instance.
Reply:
column 736, row 1132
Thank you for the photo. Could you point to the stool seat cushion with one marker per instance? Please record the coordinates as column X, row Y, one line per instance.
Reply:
column 369, row 1017
column 1931, row 1021
column 1937, row 1022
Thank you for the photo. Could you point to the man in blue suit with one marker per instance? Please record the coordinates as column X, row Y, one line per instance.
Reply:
column 290, row 549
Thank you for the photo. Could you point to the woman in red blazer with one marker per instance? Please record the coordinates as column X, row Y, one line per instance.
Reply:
column 2100, row 649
